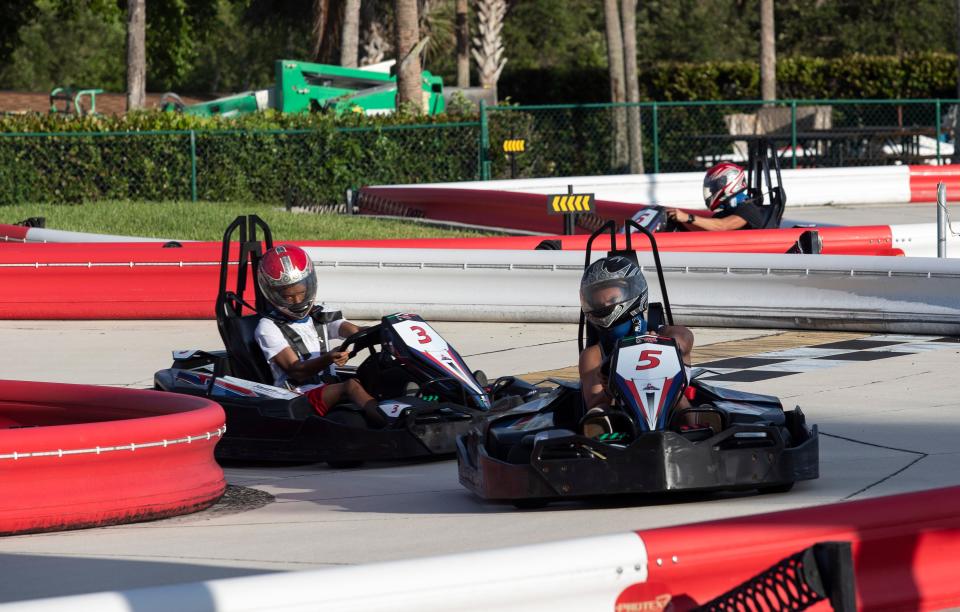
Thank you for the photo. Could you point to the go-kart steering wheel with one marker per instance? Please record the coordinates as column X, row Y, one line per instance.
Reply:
column 365, row 338
column 500, row 384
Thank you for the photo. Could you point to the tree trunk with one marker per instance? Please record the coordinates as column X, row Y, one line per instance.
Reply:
column 488, row 46
column 768, row 52
column 463, row 43
column 407, row 31
column 629, row 14
column 611, row 16
column 350, row 35
column 136, row 54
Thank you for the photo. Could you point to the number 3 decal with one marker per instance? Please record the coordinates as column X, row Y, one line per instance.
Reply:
column 422, row 336
column 648, row 359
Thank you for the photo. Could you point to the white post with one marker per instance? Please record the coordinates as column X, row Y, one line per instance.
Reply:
column 941, row 219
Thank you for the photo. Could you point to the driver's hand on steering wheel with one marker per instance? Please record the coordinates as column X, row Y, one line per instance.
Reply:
column 339, row 357
column 678, row 216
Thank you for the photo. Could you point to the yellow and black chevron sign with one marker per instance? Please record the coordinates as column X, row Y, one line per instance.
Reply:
column 571, row 203
column 514, row 145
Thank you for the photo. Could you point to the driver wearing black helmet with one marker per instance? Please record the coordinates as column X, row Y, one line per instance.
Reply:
column 613, row 298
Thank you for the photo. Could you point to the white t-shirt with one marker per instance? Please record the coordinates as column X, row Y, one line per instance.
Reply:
column 271, row 341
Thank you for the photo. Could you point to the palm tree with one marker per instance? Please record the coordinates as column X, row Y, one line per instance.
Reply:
column 488, row 46
column 463, row 43
column 350, row 37
column 768, row 52
column 611, row 14
column 629, row 15
column 407, row 30
column 136, row 54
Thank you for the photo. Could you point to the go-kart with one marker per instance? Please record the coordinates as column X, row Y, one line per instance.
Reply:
column 764, row 188
column 726, row 440
column 427, row 394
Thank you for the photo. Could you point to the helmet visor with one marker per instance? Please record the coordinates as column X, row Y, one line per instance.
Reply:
column 605, row 301
column 295, row 299
column 712, row 186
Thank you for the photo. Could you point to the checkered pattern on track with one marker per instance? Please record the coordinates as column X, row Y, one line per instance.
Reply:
column 775, row 364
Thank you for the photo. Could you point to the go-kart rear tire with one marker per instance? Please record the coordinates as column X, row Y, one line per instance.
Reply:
column 529, row 504
column 781, row 488
column 344, row 465
column 350, row 418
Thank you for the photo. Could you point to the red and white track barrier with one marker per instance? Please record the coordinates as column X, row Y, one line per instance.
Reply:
column 20, row 233
column 884, row 294
column 904, row 551
column 74, row 456
column 805, row 187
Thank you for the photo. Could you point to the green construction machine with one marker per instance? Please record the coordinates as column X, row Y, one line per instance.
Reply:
column 303, row 87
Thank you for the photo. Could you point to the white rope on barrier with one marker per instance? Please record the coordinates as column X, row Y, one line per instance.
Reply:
column 16, row 456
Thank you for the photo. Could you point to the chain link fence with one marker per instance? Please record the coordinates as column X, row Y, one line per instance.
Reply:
column 315, row 167
column 691, row 136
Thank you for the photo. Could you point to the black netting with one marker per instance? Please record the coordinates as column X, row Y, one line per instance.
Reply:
column 821, row 572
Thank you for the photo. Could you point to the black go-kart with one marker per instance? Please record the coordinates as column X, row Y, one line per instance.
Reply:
column 427, row 394
column 537, row 452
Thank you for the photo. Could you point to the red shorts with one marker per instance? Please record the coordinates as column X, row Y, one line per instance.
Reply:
column 315, row 396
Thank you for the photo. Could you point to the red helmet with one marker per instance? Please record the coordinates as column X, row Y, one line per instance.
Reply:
column 721, row 183
column 288, row 281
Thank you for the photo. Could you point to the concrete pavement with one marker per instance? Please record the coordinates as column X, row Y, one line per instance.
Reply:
column 888, row 426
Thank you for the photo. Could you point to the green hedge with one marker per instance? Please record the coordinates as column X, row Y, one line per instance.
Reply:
column 269, row 157
column 924, row 75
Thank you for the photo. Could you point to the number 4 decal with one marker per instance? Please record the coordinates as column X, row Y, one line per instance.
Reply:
column 648, row 359
column 422, row 336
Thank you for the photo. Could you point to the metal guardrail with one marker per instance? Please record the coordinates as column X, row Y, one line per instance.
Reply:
column 833, row 292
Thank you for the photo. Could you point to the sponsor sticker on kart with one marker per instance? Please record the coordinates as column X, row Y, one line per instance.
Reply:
column 648, row 371
column 419, row 336
column 260, row 388
column 393, row 409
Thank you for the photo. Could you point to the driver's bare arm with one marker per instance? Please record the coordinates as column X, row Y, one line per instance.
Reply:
column 347, row 329
column 591, row 380
column 710, row 224
column 300, row 370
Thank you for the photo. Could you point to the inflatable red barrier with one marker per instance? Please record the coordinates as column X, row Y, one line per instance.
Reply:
column 13, row 233
column 74, row 456
column 904, row 550
column 924, row 179
column 146, row 281
column 523, row 211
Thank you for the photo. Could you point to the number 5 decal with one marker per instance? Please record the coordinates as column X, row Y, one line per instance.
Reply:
column 422, row 336
column 648, row 359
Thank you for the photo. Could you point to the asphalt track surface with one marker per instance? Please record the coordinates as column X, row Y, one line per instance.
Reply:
column 888, row 426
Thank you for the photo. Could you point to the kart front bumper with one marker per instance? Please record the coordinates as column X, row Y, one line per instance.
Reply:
column 576, row 466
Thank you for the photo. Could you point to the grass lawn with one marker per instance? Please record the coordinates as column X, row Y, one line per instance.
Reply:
column 208, row 220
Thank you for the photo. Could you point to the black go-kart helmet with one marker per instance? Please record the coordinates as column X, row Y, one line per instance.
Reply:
column 612, row 291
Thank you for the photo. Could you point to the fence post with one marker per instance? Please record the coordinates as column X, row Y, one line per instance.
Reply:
column 656, row 139
column 484, row 143
column 193, row 165
column 939, row 161
column 793, row 132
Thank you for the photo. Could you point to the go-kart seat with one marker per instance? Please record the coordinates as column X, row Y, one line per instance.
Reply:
column 773, row 212
column 237, row 333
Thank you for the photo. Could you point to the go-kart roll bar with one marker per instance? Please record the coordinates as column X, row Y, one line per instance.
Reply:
column 611, row 227
column 251, row 250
